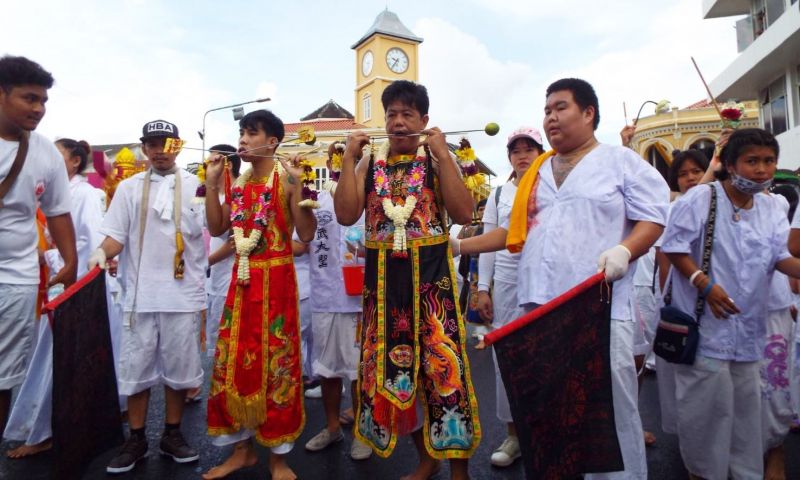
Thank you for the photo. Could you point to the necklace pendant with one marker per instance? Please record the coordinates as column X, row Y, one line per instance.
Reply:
column 736, row 216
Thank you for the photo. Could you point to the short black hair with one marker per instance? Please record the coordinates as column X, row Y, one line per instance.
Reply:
column 582, row 92
column 408, row 93
column 18, row 71
column 679, row 157
column 266, row 121
column 236, row 162
column 741, row 139
column 789, row 191
column 80, row 149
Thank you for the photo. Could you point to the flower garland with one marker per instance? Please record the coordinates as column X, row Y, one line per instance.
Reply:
column 473, row 178
column 399, row 214
column 732, row 114
column 263, row 214
column 309, row 194
column 335, row 153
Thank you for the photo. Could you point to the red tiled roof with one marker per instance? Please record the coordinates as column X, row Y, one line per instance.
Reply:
column 325, row 125
column 699, row 105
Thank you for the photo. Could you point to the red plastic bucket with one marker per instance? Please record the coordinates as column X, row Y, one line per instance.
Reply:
column 353, row 279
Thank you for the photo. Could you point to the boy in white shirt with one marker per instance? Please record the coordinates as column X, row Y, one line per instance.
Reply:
column 41, row 178
column 158, row 233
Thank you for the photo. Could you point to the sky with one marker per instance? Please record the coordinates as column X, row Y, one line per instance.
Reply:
column 121, row 63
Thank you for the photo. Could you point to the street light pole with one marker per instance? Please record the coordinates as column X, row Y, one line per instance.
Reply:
column 203, row 132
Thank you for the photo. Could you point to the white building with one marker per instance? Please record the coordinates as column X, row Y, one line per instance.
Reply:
column 768, row 66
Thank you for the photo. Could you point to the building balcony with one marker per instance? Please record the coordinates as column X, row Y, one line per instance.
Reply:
column 762, row 61
column 725, row 8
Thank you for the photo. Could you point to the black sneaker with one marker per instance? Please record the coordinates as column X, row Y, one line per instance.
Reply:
column 173, row 445
column 134, row 449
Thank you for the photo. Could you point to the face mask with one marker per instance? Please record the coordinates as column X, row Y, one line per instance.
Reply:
column 748, row 186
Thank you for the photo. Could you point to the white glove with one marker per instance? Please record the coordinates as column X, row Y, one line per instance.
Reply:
column 614, row 262
column 455, row 246
column 97, row 257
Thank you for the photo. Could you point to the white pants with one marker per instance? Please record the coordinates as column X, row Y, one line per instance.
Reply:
column 646, row 313
column 625, row 391
column 719, row 418
column 216, row 304
column 160, row 348
column 246, row 433
column 17, row 318
column 665, row 376
column 30, row 418
column 776, row 372
column 505, row 309
column 306, row 338
column 336, row 348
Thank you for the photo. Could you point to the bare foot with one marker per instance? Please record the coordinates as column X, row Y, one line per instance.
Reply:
column 480, row 345
column 425, row 470
column 243, row 456
column 279, row 469
column 774, row 467
column 28, row 450
column 193, row 395
column 649, row 439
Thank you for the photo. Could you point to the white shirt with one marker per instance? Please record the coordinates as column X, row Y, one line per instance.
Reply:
column 301, row 267
column 159, row 291
column 501, row 265
column 87, row 217
column 221, row 272
column 594, row 210
column 742, row 262
column 327, row 252
column 43, row 178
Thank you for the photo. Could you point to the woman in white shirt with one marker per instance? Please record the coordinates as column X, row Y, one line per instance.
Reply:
column 500, row 268
column 719, row 396
column 30, row 418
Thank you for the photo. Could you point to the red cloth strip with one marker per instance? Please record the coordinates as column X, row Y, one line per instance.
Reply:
column 53, row 304
column 532, row 316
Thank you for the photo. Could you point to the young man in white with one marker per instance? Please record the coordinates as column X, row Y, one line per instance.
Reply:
column 597, row 208
column 43, row 180
column 158, row 233
column 334, row 319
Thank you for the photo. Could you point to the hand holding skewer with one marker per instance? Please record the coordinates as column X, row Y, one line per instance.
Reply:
column 214, row 168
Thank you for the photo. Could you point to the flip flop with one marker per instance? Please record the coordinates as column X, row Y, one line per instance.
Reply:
column 346, row 418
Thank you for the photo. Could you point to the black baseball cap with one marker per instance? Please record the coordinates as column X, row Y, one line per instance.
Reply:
column 159, row 129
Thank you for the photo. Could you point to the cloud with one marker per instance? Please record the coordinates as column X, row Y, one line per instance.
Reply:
column 469, row 88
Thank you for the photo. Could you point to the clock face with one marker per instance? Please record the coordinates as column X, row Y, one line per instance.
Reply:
column 366, row 63
column 397, row 60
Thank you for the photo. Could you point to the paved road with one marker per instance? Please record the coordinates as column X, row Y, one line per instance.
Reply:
column 663, row 459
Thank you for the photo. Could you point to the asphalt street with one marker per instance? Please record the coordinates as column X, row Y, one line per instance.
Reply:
column 663, row 459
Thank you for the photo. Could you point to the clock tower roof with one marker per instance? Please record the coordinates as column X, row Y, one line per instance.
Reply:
column 388, row 23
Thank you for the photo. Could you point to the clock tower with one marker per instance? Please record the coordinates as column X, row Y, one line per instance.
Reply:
column 387, row 52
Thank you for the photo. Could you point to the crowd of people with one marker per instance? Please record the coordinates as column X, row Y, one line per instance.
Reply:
column 268, row 300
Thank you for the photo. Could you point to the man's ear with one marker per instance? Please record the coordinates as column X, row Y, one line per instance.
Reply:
column 425, row 119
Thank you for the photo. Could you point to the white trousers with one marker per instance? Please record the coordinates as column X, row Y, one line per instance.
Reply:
column 160, row 348
column 306, row 338
column 246, row 433
column 625, row 391
column 30, row 418
column 17, row 318
column 336, row 348
column 776, row 373
column 215, row 303
column 665, row 376
column 719, row 418
column 505, row 309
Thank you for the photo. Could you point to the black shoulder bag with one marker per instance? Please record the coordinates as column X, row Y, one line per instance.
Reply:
column 678, row 333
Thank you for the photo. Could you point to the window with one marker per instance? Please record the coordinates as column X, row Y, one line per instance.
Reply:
column 705, row 145
column 322, row 177
column 765, row 13
column 656, row 159
column 367, row 106
column 773, row 106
